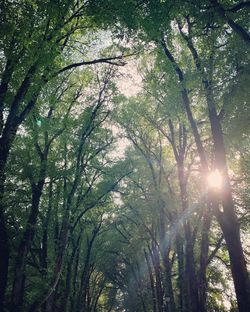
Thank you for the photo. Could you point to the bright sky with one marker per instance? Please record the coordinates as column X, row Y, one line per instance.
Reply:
column 130, row 82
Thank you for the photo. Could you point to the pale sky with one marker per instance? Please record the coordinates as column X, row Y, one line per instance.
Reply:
column 129, row 82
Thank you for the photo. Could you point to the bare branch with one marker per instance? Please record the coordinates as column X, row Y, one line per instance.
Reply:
column 115, row 60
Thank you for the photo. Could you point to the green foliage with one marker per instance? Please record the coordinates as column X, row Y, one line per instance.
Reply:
column 111, row 232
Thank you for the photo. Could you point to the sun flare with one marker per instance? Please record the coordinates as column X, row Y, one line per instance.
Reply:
column 214, row 179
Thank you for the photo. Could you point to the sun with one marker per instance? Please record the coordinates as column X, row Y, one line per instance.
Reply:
column 214, row 179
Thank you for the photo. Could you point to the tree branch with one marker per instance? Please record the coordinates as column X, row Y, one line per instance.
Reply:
column 116, row 60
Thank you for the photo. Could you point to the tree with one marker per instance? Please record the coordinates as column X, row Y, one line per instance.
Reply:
column 124, row 203
column 29, row 60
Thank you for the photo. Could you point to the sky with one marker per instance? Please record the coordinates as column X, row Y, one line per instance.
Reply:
column 130, row 81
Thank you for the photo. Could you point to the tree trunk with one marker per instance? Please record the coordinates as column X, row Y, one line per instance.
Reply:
column 179, row 153
column 25, row 244
column 238, row 265
column 44, row 245
column 151, row 278
column 4, row 240
column 82, row 295
column 202, row 279
column 164, row 249
column 75, row 282
column 183, row 292
column 24, row 248
column 94, row 305
column 7, row 137
column 4, row 249
column 241, row 32
column 6, row 77
column 190, row 268
column 169, row 294
column 67, row 290
column 190, row 261
column 70, row 267
column 156, row 264
column 228, row 219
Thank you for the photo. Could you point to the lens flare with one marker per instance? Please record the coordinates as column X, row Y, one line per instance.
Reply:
column 214, row 179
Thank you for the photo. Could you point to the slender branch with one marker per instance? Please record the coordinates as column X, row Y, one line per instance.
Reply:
column 115, row 60
column 214, row 252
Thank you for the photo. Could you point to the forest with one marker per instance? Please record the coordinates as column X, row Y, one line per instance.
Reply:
column 124, row 156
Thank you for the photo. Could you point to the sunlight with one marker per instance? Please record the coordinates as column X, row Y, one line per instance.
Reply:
column 214, row 179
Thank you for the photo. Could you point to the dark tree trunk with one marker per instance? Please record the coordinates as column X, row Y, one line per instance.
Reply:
column 179, row 151
column 190, row 269
column 44, row 247
column 152, row 283
column 238, row 265
column 189, row 255
column 36, row 305
column 164, row 249
column 75, row 285
column 94, row 305
column 169, row 293
column 70, row 267
column 183, row 292
column 82, row 295
column 5, row 143
column 239, row 30
column 25, row 244
column 157, row 270
column 137, row 277
column 6, row 77
column 67, row 290
column 24, row 248
column 202, row 279
column 228, row 219
column 4, row 246
column 61, row 248
column 8, row 134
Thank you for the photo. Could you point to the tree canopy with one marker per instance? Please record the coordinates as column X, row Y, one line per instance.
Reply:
column 124, row 201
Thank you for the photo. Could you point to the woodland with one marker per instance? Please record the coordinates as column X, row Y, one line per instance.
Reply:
column 124, row 156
